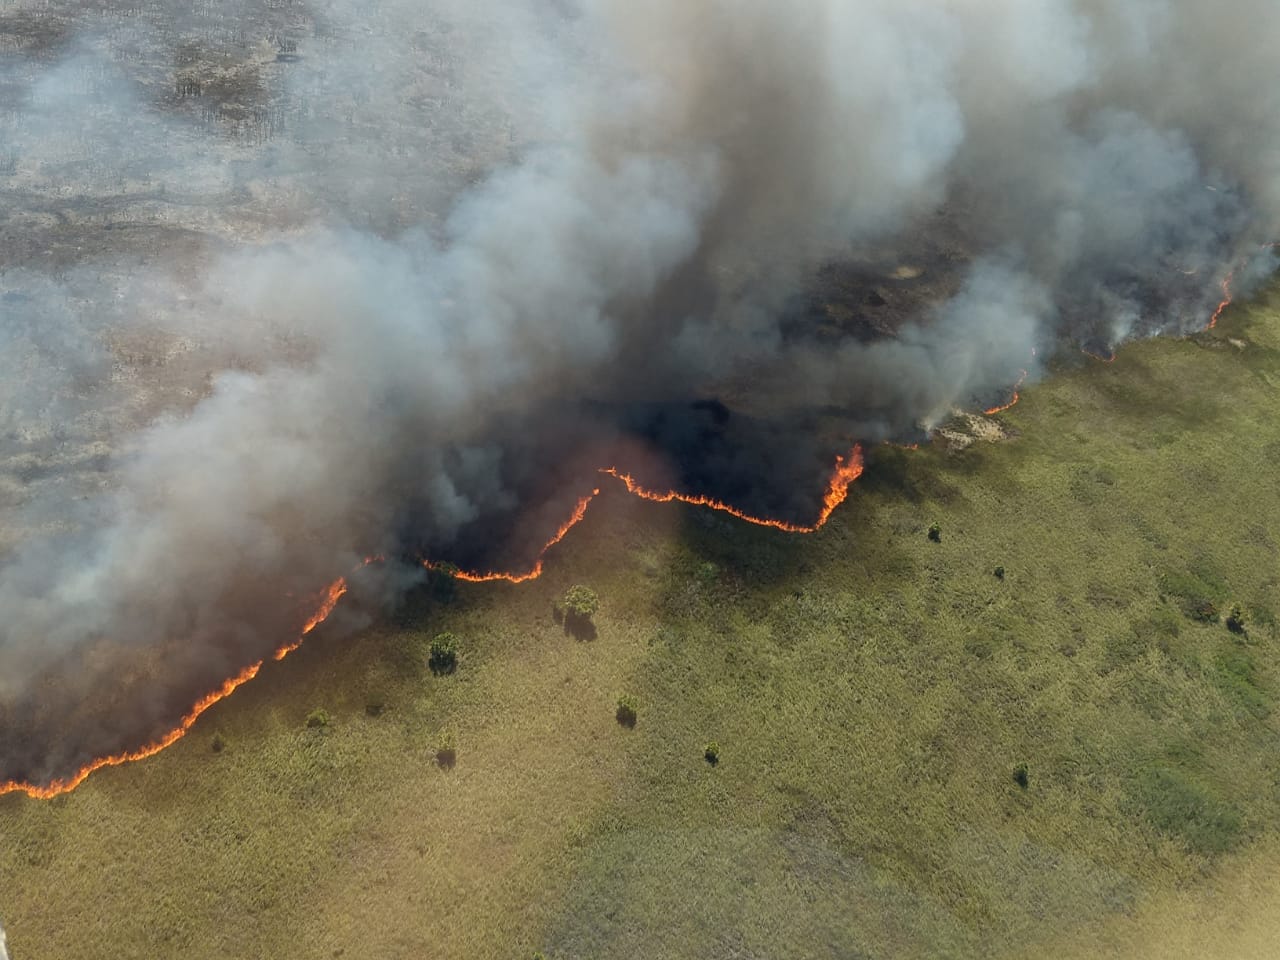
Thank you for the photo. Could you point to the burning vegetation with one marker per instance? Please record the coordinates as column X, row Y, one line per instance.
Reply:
column 252, row 337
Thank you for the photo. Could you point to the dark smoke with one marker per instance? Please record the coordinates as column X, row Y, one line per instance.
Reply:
column 286, row 284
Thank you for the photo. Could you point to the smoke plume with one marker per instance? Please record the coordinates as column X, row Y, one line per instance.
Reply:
column 286, row 285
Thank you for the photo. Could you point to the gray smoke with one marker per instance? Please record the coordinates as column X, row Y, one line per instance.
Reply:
column 285, row 285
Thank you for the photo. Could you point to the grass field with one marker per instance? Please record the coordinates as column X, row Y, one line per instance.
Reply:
column 917, row 758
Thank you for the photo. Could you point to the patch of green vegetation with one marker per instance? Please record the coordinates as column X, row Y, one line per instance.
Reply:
column 1237, row 676
column 1200, row 591
column 1183, row 807
column 318, row 718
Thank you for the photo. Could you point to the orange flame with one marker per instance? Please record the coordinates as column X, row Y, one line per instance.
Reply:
column 332, row 594
column 1227, row 296
column 846, row 472
column 490, row 576
column 1013, row 400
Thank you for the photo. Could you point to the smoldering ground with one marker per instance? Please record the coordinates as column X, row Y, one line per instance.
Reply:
column 285, row 285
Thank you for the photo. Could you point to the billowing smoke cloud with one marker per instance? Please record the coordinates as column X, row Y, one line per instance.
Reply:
column 285, row 285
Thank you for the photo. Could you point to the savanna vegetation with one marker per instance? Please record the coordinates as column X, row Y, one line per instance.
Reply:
column 1016, row 700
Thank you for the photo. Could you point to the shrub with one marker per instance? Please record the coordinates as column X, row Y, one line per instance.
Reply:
column 581, row 602
column 935, row 533
column 447, row 751
column 1020, row 776
column 711, row 753
column 626, row 714
column 219, row 743
column 1202, row 609
column 444, row 654
column 374, row 704
column 318, row 718
column 1235, row 621
column 575, row 610
column 999, row 572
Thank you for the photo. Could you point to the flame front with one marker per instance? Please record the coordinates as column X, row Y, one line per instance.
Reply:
column 332, row 594
column 846, row 472
column 491, row 576
column 1012, row 400
column 1228, row 297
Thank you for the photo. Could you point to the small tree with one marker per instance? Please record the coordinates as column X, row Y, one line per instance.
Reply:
column 711, row 753
column 626, row 714
column 935, row 533
column 1021, row 777
column 576, row 609
column 999, row 572
column 581, row 602
column 219, row 743
column 318, row 718
column 444, row 654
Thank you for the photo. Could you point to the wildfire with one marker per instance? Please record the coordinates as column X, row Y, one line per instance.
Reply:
column 332, row 594
column 1013, row 400
column 1227, row 296
column 847, row 470
column 490, row 576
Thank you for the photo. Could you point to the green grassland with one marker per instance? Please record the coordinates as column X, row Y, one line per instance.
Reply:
column 917, row 758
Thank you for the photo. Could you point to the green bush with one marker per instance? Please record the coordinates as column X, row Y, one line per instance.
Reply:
column 1021, row 777
column 999, row 572
column 711, row 753
column 374, row 704
column 626, row 714
column 581, row 602
column 1202, row 609
column 935, row 533
column 444, row 654
column 318, row 718
column 219, row 743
